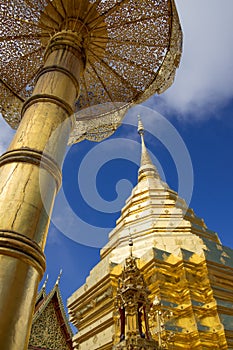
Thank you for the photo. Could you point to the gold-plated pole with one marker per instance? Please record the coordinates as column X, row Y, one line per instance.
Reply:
column 30, row 177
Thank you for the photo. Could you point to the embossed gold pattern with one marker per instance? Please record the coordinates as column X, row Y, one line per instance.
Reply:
column 131, row 49
column 50, row 328
column 132, row 308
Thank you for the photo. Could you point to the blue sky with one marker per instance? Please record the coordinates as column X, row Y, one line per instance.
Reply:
column 199, row 107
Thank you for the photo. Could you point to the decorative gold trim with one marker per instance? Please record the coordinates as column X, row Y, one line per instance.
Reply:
column 21, row 247
column 122, row 59
column 68, row 40
column 46, row 302
column 47, row 98
column 55, row 68
column 36, row 158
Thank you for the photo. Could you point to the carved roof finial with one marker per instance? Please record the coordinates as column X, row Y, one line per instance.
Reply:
column 59, row 277
column 45, row 282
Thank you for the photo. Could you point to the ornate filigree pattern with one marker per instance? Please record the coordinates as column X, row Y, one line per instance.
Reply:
column 46, row 332
column 132, row 50
column 132, row 305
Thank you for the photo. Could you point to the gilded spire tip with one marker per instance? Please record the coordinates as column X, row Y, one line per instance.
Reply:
column 145, row 158
column 140, row 126
column 131, row 244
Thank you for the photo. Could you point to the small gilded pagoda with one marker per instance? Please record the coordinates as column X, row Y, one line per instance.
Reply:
column 132, row 309
column 176, row 259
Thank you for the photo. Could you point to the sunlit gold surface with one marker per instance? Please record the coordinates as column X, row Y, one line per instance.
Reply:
column 181, row 261
column 57, row 57
column 17, row 293
column 30, row 177
column 132, row 49
column 133, row 304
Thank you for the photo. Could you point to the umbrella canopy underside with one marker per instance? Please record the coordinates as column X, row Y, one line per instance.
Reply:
column 132, row 50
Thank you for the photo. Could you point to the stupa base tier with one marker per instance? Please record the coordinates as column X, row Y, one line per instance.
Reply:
column 191, row 286
column 136, row 344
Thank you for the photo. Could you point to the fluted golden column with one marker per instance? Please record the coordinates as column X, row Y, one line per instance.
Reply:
column 30, row 177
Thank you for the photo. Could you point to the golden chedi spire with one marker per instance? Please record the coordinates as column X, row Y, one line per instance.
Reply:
column 180, row 260
column 147, row 168
column 154, row 213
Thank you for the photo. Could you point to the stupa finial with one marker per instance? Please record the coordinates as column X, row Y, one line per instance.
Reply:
column 140, row 126
column 146, row 164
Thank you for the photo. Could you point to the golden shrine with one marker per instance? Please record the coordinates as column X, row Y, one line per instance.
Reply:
column 181, row 263
column 132, row 309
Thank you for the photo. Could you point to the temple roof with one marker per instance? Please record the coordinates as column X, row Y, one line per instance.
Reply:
column 54, row 301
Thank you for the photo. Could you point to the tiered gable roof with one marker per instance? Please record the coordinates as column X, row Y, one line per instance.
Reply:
column 50, row 327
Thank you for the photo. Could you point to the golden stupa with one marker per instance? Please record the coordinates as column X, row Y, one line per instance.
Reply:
column 183, row 264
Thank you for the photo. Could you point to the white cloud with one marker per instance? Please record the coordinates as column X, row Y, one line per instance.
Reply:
column 204, row 79
column 6, row 135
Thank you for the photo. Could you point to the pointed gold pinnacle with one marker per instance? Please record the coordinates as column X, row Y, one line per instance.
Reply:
column 146, row 166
